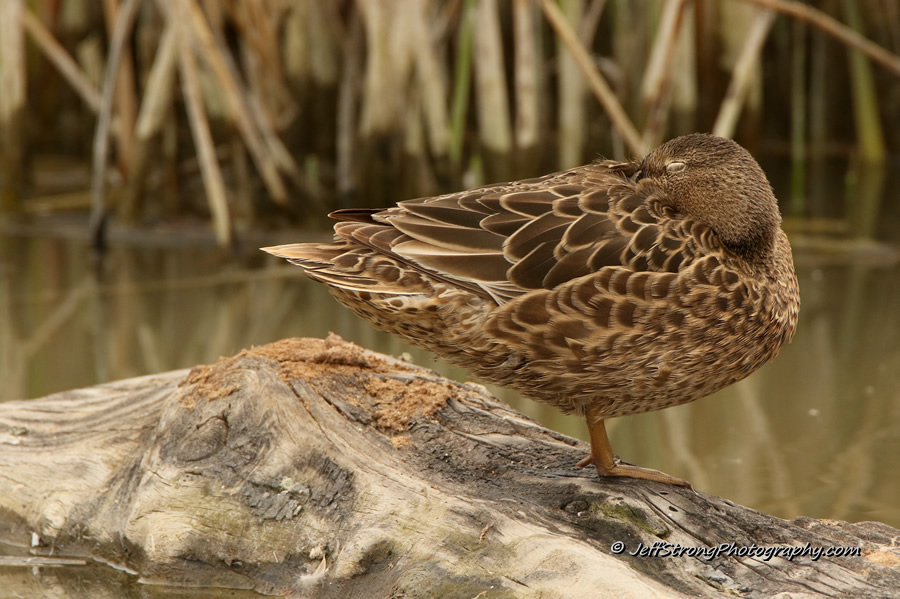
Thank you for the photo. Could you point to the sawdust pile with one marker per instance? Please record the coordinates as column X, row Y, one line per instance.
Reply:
column 308, row 358
column 394, row 395
column 210, row 381
column 397, row 403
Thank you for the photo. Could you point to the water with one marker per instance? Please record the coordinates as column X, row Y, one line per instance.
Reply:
column 813, row 433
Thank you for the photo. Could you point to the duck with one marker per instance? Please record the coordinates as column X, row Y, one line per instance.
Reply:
column 610, row 289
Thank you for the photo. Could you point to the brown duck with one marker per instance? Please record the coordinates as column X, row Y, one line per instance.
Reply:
column 609, row 289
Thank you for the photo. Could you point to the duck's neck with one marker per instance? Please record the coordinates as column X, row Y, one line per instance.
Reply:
column 756, row 245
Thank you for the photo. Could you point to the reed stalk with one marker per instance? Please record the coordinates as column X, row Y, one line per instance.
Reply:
column 155, row 106
column 384, row 103
column 526, row 81
column 747, row 60
column 571, row 108
column 892, row 22
column 462, row 82
column 684, row 100
column 387, row 69
column 267, row 152
column 846, row 35
column 420, row 174
column 820, row 77
column 587, row 29
column 708, row 51
column 431, row 80
column 209, row 165
column 261, row 58
column 12, row 104
column 160, row 85
column 348, row 101
column 397, row 96
column 598, row 85
column 865, row 97
column 798, row 116
column 655, row 87
column 492, row 101
column 324, row 31
column 124, row 95
column 124, row 20
column 57, row 55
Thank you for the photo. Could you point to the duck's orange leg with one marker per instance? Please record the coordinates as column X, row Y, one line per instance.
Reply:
column 607, row 464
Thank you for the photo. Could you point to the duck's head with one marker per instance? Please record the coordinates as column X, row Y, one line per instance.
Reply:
column 715, row 180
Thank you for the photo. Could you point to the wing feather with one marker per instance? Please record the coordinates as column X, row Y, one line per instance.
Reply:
column 503, row 241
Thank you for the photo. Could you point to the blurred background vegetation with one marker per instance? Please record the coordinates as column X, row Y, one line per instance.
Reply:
column 182, row 135
column 254, row 112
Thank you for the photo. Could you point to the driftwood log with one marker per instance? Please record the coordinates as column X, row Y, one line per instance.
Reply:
column 314, row 468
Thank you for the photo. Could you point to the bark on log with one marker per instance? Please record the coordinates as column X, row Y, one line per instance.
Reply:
column 313, row 467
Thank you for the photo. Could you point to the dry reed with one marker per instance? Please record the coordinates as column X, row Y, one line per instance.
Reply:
column 362, row 102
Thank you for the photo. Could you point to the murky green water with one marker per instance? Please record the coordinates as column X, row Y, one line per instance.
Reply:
column 814, row 433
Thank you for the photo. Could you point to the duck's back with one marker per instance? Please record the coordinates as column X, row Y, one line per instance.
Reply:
column 586, row 287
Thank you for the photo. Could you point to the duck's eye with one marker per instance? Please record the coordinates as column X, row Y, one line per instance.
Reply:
column 675, row 167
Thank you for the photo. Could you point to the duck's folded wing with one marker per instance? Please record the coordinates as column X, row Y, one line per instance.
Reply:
column 498, row 242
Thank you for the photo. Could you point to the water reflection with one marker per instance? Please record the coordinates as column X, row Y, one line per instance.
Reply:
column 814, row 433
column 21, row 576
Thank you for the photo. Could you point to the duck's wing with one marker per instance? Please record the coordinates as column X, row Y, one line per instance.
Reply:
column 502, row 241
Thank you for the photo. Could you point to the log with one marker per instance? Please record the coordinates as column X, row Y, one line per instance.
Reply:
column 312, row 467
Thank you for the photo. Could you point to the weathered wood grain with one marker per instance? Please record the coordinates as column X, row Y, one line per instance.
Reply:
column 315, row 468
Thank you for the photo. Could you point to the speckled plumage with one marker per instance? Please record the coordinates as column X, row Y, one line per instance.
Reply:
column 605, row 290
